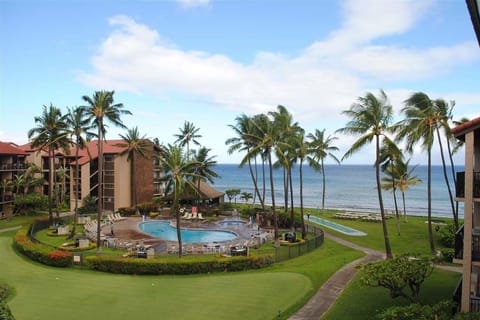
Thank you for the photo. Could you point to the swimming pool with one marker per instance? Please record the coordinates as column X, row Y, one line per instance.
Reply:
column 163, row 229
column 335, row 226
column 232, row 223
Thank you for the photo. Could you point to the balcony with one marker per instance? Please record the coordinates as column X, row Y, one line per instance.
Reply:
column 475, row 244
column 457, row 297
column 460, row 187
column 13, row 166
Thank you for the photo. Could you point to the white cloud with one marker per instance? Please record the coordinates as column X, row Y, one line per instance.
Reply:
column 324, row 79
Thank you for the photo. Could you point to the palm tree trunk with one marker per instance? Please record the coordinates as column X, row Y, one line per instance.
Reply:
column 292, row 207
column 388, row 249
column 50, row 185
column 323, row 185
column 285, row 189
column 75, row 210
column 405, row 219
column 254, row 179
column 397, row 217
column 454, row 177
column 302, row 219
column 100, row 185
column 447, row 182
column 429, row 201
column 177, row 215
column 272, row 188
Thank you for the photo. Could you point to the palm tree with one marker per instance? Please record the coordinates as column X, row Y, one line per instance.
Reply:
column 302, row 148
column 6, row 185
column 134, row 145
column 321, row 148
column 243, row 142
column 100, row 108
column 406, row 178
column 179, row 174
column 246, row 196
column 419, row 127
column 204, row 168
column 370, row 118
column 30, row 180
column 188, row 134
column 79, row 128
column 50, row 134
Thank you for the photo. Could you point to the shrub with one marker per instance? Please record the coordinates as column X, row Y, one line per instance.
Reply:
column 180, row 266
column 127, row 211
column 40, row 252
column 30, row 202
column 447, row 235
column 439, row 311
column 146, row 207
column 448, row 254
column 89, row 205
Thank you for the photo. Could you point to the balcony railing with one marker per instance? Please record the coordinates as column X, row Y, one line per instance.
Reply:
column 13, row 166
column 459, row 245
column 460, row 187
column 457, row 297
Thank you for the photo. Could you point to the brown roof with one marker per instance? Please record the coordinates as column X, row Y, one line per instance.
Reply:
column 11, row 148
column 460, row 130
column 206, row 192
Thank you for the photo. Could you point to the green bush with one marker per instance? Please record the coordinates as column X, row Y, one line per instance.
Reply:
column 447, row 235
column 89, row 205
column 448, row 254
column 127, row 212
column 40, row 252
column 30, row 202
column 5, row 313
column 180, row 266
column 415, row 311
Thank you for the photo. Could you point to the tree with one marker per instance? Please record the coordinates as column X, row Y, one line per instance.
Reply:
column 49, row 135
column 321, row 148
column 79, row 128
column 246, row 196
column 100, row 108
column 397, row 275
column 418, row 127
column 179, row 173
column 204, row 168
column 134, row 145
column 244, row 130
column 232, row 194
column 302, row 149
column 187, row 134
column 370, row 118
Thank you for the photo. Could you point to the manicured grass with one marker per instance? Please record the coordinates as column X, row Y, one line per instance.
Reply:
column 51, row 293
column 413, row 236
column 19, row 220
column 363, row 303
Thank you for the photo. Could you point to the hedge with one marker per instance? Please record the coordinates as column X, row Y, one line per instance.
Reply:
column 180, row 267
column 40, row 252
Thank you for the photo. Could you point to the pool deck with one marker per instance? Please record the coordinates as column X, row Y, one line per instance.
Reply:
column 128, row 230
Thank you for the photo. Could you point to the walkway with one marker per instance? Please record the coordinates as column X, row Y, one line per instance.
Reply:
column 331, row 290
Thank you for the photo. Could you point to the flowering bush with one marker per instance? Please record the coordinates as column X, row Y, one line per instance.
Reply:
column 40, row 252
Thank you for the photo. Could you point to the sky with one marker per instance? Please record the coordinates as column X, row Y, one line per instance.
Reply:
column 208, row 62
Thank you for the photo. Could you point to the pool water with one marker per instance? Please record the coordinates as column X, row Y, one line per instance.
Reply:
column 337, row 227
column 232, row 223
column 163, row 229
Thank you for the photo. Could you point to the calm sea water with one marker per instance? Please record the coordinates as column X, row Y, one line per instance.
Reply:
column 350, row 187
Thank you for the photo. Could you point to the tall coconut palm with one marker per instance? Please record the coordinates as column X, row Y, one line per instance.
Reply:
column 79, row 128
column 204, row 167
column 243, row 142
column 418, row 127
column 6, row 185
column 179, row 174
column 101, row 108
column 134, row 145
column 302, row 149
column 321, row 147
column 188, row 134
column 370, row 118
column 49, row 135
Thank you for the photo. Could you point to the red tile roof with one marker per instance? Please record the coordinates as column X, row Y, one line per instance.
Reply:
column 460, row 130
column 109, row 147
column 11, row 148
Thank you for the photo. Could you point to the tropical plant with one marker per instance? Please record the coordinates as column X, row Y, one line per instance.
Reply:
column 370, row 118
column 301, row 148
column 134, row 145
column 49, row 135
column 179, row 174
column 188, row 134
column 79, row 128
column 419, row 127
column 204, row 168
column 321, row 147
column 232, row 194
column 246, row 196
column 100, row 108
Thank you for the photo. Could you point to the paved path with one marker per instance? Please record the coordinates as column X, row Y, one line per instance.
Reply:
column 10, row 229
column 329, row 292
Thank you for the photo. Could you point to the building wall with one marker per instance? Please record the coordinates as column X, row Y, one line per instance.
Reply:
column 122, row 182
column 143, row 179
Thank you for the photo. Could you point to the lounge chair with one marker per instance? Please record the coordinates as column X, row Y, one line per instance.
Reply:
column 200, row 216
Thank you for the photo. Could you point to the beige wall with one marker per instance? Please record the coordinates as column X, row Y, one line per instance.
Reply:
column 122, row 182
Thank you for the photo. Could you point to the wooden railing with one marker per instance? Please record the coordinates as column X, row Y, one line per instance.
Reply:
column 459, row 245
column 457, row 297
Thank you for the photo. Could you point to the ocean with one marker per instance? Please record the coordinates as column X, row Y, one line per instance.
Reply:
column 348, row 187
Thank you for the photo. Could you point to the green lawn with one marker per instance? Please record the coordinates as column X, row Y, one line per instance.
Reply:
column 43, row 292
